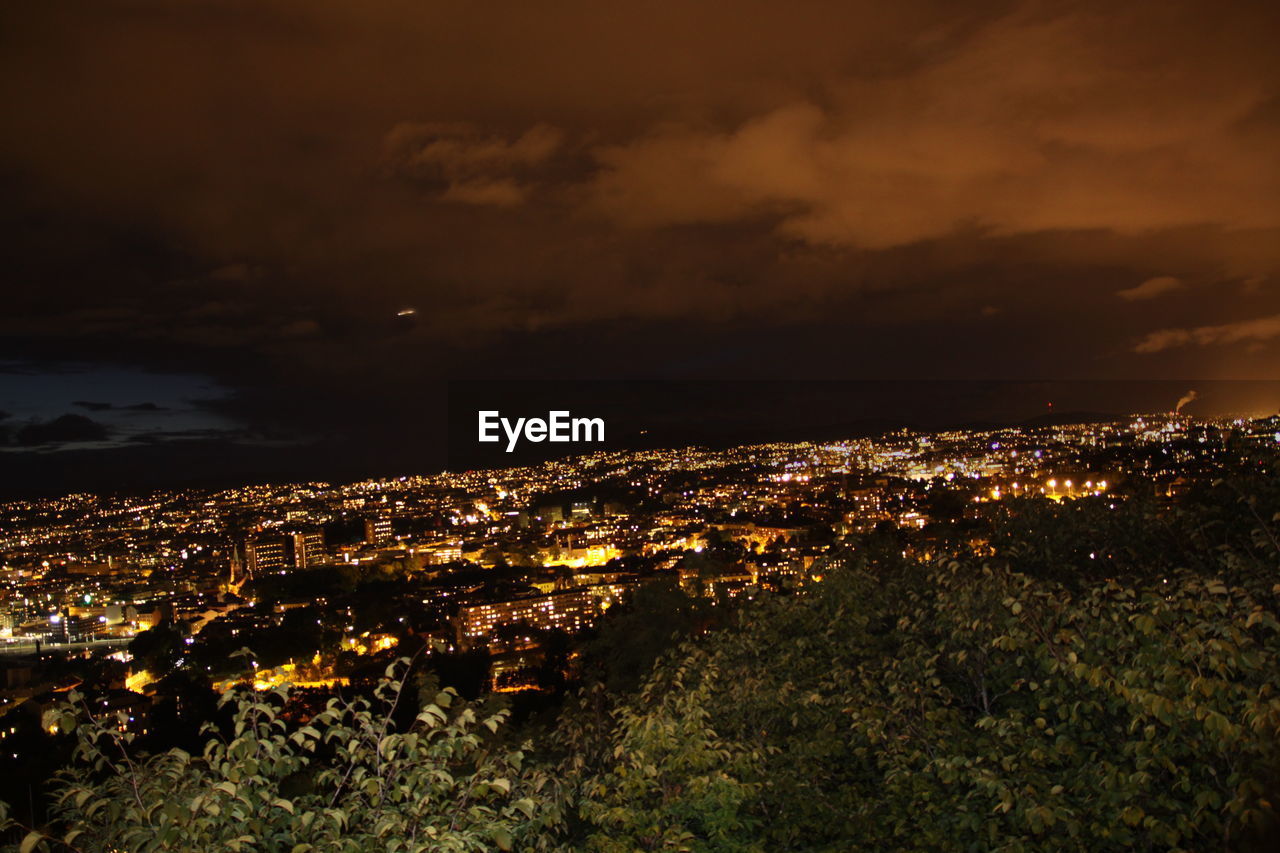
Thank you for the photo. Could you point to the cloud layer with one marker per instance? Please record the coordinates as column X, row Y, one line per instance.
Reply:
column 64, row 429
column 1253, row 332
column 1151, row 288
column 254, row 190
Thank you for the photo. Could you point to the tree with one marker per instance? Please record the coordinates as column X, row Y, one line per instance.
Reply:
column 963, row 706
column 347, row 780
column 670, row 783
column 158, row 649
column 657, row 617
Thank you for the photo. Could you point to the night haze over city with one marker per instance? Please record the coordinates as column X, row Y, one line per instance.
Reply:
column 876, row 400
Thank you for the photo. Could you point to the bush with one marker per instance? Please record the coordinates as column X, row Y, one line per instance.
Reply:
column 347, row 780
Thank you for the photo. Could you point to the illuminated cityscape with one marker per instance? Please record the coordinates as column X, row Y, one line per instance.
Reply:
column 549, row 547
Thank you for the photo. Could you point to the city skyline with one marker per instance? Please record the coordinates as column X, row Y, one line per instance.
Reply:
column 121, row 454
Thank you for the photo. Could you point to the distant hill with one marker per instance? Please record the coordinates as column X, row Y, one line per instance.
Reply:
column 1070, row 418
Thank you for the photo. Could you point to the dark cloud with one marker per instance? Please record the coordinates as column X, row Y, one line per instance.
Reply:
column 65, row 429
column 159, row 436
column 1151, row 288
column 1255, row 332
column 93, row 406
column 1041, row 121
column 29, row 367
column 466, row 167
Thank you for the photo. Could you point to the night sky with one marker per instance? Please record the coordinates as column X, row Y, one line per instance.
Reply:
column 252, row 238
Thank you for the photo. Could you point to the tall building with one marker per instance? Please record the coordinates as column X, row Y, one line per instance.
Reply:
column 265, row 554
column 377, row 530
column 308, row 548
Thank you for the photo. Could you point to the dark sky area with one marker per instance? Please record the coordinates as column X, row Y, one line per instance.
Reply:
column 250, row 238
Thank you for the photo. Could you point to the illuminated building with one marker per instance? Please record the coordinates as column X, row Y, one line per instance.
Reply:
column 308, row 548
column 275, row 553
column 569, row 611
column 265, row 555
column 377, row 530
column 447, row 553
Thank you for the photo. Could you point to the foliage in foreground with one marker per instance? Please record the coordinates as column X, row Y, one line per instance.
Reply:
column 984, row 710
column 969, row 704
column 665, row 779
column 348, row 780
